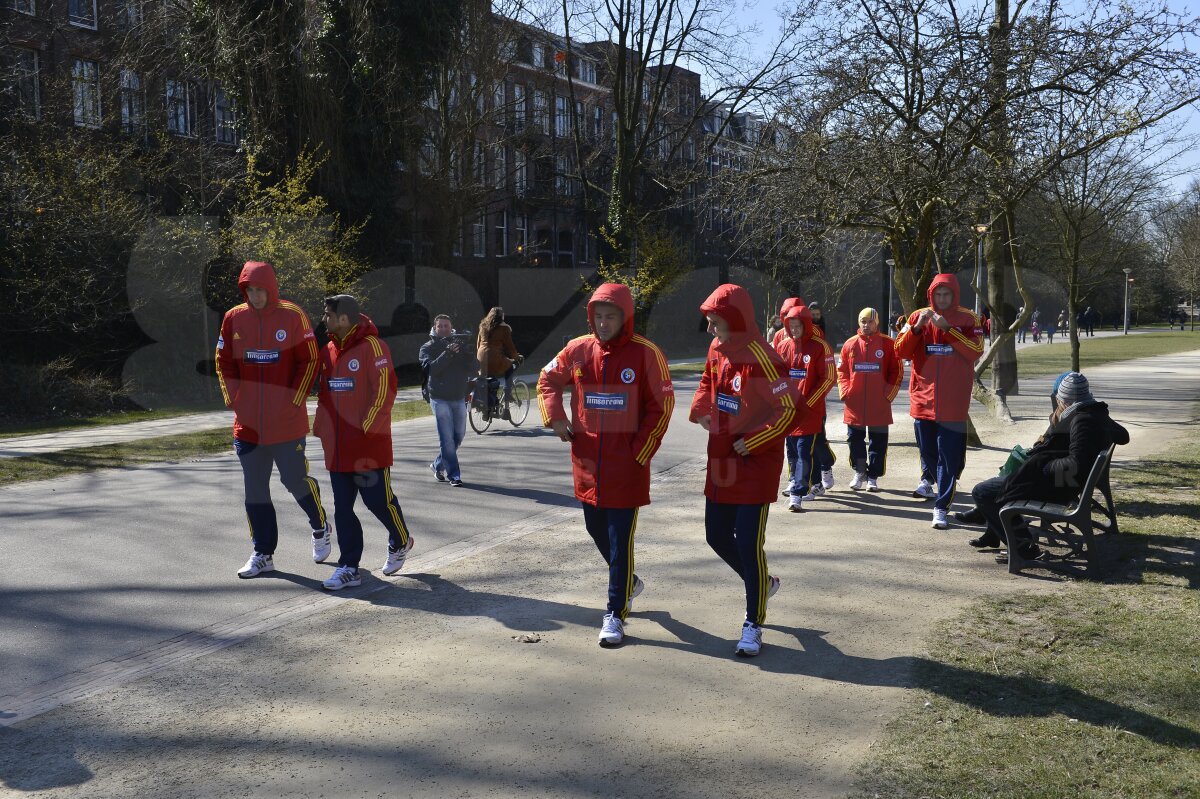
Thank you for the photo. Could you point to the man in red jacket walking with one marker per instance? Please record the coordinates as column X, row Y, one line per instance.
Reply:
column 869, row 377
column 812, row 371
column 943, row 342
column 745, row 403
column 266, row 365
column 354, row 423
column 621, row 403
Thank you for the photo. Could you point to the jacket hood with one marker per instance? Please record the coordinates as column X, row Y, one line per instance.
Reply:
column 364, row 328
column 617, row 294
column 944, row 280
column 259, row 273
column 800, row 311
column 733, row 304
column 789, row 304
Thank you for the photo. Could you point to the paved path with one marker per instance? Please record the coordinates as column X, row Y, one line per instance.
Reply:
column 125, row 631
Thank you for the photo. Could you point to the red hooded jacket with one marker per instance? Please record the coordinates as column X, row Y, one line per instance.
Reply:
column 943, row 361
column 266, row 363
column 781, row 335
column 354, row 401
column 621, row 403
column 745, row 393
column 811, row 369
column 869, row 378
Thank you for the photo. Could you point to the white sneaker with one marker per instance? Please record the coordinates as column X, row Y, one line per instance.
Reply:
column 859, row 481
column 395, row 560
column 939, row 519
column 773, row 587
column 872, row 484
column 638, row 586
column 751, row 642
column 322, row 543
column 256, row 566
column 817, row 490
column 924, row 490
column 343, row 577
column 827, row 479
column 612, row 632
column 796, row 504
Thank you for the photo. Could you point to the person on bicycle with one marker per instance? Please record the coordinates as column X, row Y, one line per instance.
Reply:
column 449, row 362
column 498, row 356
column 621, row 403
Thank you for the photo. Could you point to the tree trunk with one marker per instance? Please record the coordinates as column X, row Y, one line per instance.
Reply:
column 1000, row 242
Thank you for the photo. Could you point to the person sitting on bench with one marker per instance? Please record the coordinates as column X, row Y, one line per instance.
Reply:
column 1058, row 464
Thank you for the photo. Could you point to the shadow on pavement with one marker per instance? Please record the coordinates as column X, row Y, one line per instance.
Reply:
column 51, row 764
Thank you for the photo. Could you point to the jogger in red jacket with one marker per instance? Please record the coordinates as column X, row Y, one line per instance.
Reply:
column 354, row 423
column 266, row 365
column 811, row 368
column 943, row 342
column 869, row 377
column 746, row 405
column 621, row 403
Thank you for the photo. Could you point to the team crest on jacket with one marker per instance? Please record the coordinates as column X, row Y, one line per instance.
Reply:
column 280, row 335
column 878, row 353
column 737, row 382
column 807, row 358
column 627, row 375
column 353, row 365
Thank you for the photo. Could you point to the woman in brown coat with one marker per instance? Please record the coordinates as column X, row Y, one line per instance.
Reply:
column 498, row 356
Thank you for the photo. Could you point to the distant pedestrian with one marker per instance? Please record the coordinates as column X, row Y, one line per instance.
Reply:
column 1024, row 326
column 497, row 354
column 781, row 333
column 354, row 423
column 818, row 317
column 621, row 403
column 745, row 403
column 266, row 364
column 449, row 360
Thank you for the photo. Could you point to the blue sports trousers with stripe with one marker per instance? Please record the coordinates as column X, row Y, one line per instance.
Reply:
column 737, row 533
column 613, row 529
column 943, row 448
column 375, row 487
column 256, row 461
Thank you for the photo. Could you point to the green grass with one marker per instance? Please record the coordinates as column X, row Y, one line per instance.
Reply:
column 143, row 452
column 22, row 428
column 1050, row 359
column 687, row 369
column 1088, row 693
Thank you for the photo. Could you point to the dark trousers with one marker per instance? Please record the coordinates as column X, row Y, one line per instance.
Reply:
column 868, row 449
column 805, row 454
column 943, row 448
column 613, row 529
column 737, row 533
column 288, row 457
column 375, row 488
column 985, row 495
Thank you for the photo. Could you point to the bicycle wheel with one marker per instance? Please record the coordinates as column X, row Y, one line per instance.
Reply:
column 518, row 409
column 478, row 419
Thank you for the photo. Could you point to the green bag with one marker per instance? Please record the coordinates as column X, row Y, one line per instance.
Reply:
column 1017, row 457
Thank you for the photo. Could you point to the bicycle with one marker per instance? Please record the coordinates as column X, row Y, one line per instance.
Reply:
column 481, row 414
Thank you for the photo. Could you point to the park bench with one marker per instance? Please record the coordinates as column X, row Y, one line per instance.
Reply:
column 1070, row 527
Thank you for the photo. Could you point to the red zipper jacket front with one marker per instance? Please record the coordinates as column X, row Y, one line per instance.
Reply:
column 354, row 401
column 869, row 378
column 266, row 363
column 811, row 370
column 943, row 361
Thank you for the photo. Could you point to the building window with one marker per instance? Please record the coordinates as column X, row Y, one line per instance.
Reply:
column 82, row 13
column 597, row 123
column 499, row 166
column 479, row 173
column 541, row 117
column 519, row 110
column 21, row 84
column 129, row 13
column 562, row 120
column 498, row 98
column 520, row 173
column 427, row 158
column 133, row 102
column 181, row 117
column 85, row 80
column 562, row 182
column 224, row 117
column 587, row 71
column 456, row 248
column 520, row 239
column 500, row 247
column 24, row 6
column 537, row 56
column 479, row 237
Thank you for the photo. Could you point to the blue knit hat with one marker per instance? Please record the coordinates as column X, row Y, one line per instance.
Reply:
column 1058, row 382
column 1073, row 388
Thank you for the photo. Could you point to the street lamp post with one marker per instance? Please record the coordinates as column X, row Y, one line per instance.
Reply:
column 980, row 230
column 891, row 264
column 1128, row 280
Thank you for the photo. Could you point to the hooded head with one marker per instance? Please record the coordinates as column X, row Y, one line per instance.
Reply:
column 262, row 275
column 617, row 294
column 788, row 304
column 732, row 304
column 949, row 281
column 800, row 311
